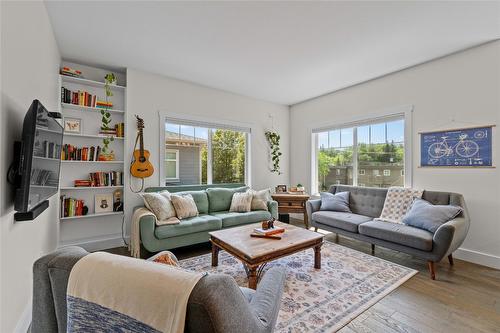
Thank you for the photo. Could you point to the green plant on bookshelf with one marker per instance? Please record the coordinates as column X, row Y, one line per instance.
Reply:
column 109, row 79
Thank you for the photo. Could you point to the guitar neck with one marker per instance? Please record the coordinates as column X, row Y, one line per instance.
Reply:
column 141, row 142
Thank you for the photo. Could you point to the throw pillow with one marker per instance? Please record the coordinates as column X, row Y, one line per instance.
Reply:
column 260, row 199
column 165, row 257
column 424, row 215
column 184, row 205
column 159, row 204
column 338, row 202
column 241, row 202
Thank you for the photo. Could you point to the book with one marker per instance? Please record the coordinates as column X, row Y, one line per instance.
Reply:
column 265, row 236
column 269, row 232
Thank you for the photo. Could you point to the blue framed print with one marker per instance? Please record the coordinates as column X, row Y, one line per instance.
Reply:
column 465, row 147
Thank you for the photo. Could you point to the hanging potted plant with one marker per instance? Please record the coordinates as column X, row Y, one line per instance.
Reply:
column 273, row 138
column 107, row 153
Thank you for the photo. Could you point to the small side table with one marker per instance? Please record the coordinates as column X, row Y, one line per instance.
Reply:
column 292, row 203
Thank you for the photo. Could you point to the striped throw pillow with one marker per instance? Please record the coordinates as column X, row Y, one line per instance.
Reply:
column 184, row 205
column 241, row 202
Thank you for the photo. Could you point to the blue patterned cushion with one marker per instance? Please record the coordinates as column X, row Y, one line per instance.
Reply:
column 424, row 215
column 338, row 202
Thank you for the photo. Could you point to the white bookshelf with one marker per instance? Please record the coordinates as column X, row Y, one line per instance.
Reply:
column 81, row 229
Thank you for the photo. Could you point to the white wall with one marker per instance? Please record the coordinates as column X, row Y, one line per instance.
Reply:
column 147, row 94
column 465, row 87
column 29, row 69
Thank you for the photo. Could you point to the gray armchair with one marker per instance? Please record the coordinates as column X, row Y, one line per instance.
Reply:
column 216, row 303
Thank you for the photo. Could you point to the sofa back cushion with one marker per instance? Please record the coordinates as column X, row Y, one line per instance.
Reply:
column 220, row 198
column 367, row 201
column 200, row 199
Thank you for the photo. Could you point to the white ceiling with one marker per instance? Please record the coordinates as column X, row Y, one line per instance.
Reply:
column 284, row 52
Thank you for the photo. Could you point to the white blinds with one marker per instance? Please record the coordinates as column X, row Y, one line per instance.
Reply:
column 205, row 124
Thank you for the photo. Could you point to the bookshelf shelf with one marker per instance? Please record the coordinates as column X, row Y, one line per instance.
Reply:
column 91, row 162
column 86, row 82
column 45, row 158
column 90, row 188
column 90, row 216
column 87, row 108
column 91, row 136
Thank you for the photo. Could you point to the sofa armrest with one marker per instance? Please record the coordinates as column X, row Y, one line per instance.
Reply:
column 449, row 236
column 267, row 299
column 272, row 206
column 147, row 225
column 311, row 207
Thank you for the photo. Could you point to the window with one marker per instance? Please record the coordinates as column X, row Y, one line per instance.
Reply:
column 172, row 164
column 204, row 153
column 365, row 150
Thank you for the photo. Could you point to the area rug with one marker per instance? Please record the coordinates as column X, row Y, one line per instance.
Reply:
column 320, row 300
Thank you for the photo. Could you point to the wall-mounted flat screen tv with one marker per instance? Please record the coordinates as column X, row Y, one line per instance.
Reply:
column 39, row 158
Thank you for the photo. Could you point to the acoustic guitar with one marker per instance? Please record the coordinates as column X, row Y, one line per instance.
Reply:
column 141, row 166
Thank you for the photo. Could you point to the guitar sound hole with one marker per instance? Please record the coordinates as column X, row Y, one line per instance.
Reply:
column 142, row 159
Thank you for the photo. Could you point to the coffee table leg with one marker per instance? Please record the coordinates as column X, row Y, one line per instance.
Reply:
column 215, row 255
column 252, row 277
column 317, row 256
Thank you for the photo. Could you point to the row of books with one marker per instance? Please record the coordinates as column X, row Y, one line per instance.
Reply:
column 72, row 207
column 83, row 98
column 118, row 130
column 101, row 178
column 73, row 153
column 47, row 149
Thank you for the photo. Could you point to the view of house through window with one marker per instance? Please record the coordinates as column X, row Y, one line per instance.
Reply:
column 203, row 155
column 370, row 155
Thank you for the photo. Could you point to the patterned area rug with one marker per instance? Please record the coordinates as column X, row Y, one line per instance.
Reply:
column 324, row 300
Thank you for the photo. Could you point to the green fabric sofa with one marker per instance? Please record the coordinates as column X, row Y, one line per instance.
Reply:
column 213, row 202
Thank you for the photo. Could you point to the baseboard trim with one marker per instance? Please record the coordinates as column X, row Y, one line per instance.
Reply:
column 23, row 325
column 96, row 244
column 477, row 257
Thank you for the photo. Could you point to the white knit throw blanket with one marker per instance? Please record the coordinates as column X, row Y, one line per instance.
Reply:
column 397, row 202
column 135, row 232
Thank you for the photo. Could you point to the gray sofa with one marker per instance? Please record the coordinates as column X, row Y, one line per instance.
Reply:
column 367, row 203
column 216, row 303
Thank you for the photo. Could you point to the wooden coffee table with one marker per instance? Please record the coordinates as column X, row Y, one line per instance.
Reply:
column 255, row 253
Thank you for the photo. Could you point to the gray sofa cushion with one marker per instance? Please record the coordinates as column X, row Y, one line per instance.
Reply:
column 338, row 202
column 427, row 216
column 189, row 226
column 363, row 200
column 341, row 220
column 231, row 219
column 398, row 233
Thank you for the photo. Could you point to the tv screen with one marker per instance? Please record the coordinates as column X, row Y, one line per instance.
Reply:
column 40, row 158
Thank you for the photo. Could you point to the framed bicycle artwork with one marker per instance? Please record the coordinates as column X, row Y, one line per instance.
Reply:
column 463, row 147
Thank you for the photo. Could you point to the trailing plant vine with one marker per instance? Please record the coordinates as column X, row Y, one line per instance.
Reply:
column 109, row 79
column 274, row 144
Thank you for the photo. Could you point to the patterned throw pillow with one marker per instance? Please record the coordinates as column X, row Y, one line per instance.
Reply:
column 397, row 202
column 166, row 258
column 159, row 204
column 260, row 199
column 184, row 205
column 241, row 202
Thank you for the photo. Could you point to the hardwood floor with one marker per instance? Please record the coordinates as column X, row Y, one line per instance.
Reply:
column 464, row 297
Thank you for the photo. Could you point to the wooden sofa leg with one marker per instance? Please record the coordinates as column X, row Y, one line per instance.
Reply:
column 336, row 238
column 432, row 269
column 450, row 260
column 373, row 249
column 316, row 229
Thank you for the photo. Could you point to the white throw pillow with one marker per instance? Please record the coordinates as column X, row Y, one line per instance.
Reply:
column 159, row 204
column 241, row 202
column 184, row 205
column 260, row 199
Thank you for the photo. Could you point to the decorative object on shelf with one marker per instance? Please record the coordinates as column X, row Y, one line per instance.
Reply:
column 461, row 147
column 273, row 138
column 109, row 80
column 299, row 189
column 117, row 201
column 103, row 203
column 73, row 125
column 141, row 167
column 280, row 189
column 68, row 71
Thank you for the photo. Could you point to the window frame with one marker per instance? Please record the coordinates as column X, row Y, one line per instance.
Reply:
column 210, row 123
column 387, row 172
column 404, row 112
column 176, row 151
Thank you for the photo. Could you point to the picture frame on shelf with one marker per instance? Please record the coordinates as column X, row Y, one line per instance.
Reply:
column 117, row 201
column 281, row 189
column 103, row 203
column 73, row 125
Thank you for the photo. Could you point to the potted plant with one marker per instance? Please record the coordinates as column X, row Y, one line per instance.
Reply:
column 300, row 188
column 107, row 154
column 273, row 138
